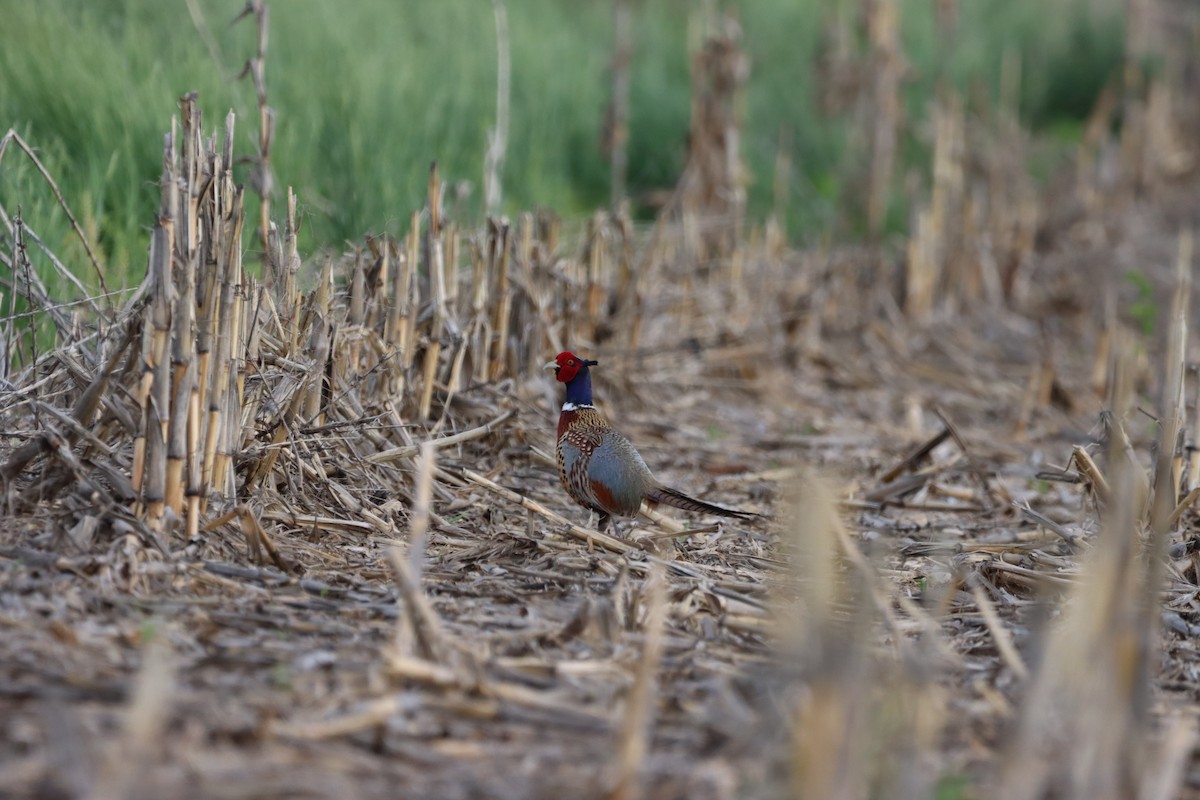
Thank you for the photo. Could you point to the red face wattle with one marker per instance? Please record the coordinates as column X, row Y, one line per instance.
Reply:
column 569, row 365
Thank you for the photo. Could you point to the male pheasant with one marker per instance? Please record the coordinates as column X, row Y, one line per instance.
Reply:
column 598, row 466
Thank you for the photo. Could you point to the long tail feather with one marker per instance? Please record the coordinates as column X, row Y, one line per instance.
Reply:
column 673, row 497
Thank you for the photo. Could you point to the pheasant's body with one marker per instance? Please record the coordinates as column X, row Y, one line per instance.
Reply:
column 600, row 468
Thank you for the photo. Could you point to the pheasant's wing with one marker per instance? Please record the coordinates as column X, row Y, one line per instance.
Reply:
column 617, row 476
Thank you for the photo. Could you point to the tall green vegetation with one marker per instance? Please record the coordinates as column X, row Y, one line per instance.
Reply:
column 368, row 93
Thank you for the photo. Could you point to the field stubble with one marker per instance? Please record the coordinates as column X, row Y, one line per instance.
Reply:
column 260, row 540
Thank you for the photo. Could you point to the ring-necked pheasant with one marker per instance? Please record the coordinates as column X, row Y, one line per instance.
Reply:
column 598, row 466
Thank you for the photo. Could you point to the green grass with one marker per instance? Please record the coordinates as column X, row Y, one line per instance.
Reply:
column 1143, row 309
column 368, row 93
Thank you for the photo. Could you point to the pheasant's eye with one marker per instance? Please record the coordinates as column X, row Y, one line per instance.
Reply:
column 570, row 362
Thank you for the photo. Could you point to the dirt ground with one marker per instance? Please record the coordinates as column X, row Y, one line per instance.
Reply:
column 515, row 671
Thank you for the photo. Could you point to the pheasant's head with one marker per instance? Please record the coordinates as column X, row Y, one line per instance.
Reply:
column 567, row 366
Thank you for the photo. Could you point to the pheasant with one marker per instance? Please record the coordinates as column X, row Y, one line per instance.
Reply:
column 599, row 467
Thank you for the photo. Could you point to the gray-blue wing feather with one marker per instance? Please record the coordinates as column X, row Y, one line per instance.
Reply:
column 618, row 476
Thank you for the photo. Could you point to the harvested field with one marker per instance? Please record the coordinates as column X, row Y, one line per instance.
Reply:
column 301, row 533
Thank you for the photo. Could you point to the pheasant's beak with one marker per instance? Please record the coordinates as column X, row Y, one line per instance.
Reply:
column 550, row 365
